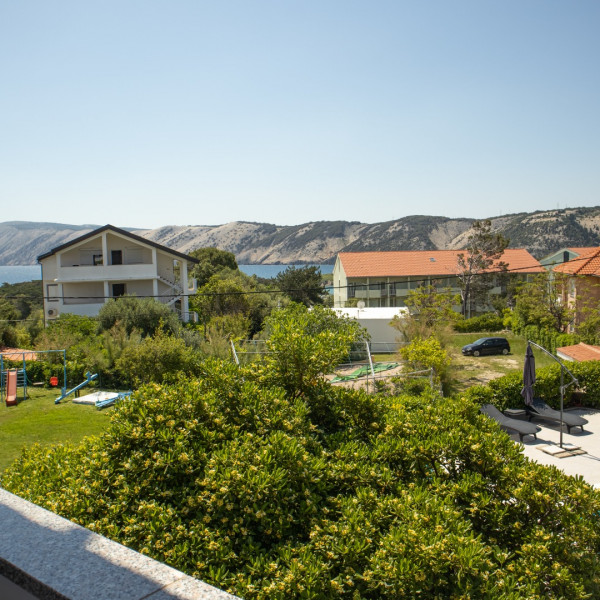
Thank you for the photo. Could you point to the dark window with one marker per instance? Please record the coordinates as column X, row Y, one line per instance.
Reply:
column 97, row 259
column 116, row 257
column 118, row 289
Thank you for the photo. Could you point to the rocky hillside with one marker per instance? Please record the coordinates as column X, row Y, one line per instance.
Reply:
column 261, row 243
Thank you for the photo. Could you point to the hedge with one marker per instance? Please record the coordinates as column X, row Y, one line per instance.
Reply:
column 505, row 392
column 235, row 481
column 488, row 322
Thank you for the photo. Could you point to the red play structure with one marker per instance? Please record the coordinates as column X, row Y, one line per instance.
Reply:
column 11, row 387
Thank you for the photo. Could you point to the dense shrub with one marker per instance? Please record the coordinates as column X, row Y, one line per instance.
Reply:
column 505, row 392
column 239, row 483
column 488, row 322
column 546, row 337
column 145, row 315
column 274, row 484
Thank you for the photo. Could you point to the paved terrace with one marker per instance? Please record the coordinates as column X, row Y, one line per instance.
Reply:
column 587, row 465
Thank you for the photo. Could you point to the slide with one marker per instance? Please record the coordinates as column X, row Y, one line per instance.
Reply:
column 11, row 387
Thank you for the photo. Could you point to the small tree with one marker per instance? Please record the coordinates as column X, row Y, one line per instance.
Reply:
column 145, row 315
column 422, row 354
column 483, row 251
column 539, row 302
column 302, row 284
column 306, row 344
column 431, row 312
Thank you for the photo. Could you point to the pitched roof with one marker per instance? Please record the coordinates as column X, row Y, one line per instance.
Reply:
column 425, row 262
column 587, row 263
column 582, row 249
column 580, row 352
column 122, row 232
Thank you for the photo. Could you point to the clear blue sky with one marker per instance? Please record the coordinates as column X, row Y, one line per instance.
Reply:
column 147, row 113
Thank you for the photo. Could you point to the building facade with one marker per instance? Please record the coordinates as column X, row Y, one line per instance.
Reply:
column 581, row 285
column 82, row 274
column 384, row 279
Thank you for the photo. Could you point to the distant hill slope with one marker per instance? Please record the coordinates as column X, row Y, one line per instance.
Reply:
column 541, row 232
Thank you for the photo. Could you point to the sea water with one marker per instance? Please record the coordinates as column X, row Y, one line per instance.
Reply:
column 17, row 274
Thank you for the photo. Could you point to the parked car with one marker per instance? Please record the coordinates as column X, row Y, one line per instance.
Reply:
column 487, row 345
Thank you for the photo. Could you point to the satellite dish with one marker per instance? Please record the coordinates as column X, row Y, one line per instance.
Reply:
column 360, row 304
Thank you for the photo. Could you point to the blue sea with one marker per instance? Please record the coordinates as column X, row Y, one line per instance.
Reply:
column 34, row 272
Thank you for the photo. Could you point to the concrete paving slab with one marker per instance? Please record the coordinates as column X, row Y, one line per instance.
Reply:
column 570, row 462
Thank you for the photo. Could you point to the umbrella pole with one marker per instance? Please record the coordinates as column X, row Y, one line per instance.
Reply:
column 562, row 399
column 562, row 383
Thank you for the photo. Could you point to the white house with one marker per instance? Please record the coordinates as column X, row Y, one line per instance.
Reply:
column 81, row 275
column 377, row 322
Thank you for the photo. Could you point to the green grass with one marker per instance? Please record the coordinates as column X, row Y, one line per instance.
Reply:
column 470, row 370
column 39, row 420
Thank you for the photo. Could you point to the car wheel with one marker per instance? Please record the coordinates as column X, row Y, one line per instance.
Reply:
column 476, row 353
column 505, row 351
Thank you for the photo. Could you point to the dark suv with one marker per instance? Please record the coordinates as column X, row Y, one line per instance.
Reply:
column 488, row 345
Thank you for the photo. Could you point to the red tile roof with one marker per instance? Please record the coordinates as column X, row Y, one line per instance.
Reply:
column 425, row 262
column 587, row 263
column 581, row 352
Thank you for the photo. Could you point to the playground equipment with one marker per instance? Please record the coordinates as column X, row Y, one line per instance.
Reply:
column 102, row 399
column 88, row 379
column 11, row 387
column 23, row 356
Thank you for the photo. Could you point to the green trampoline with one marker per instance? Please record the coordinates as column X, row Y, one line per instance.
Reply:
column 365, row 371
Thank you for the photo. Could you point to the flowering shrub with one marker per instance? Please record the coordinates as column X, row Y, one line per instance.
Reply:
column 331, row 493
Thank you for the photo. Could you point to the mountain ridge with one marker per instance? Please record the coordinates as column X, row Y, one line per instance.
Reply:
column 541, row 232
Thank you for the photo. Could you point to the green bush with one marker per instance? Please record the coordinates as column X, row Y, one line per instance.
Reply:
column 306, row 490
column 488, row 322
column 232, row 481
column 505, row 392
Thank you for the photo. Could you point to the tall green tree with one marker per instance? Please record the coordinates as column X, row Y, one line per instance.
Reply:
column 483, row 251
column 302, row 284
column 212, row 261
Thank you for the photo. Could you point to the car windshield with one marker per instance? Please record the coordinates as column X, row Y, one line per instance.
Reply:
column 480, row 341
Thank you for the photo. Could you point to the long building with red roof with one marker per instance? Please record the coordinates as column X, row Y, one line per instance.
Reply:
column 386, row 278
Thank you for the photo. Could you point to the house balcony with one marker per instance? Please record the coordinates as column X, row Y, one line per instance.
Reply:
column 105, row 272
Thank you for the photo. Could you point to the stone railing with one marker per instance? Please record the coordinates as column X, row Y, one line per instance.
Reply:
column 46, row 557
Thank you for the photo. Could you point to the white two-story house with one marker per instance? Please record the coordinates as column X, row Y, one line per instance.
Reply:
column 81, row 275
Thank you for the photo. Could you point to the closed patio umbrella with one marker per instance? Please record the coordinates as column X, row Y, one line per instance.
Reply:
column 528, row 376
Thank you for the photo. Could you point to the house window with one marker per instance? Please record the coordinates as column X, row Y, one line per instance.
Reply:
column 351, row 290
column 116, row 257
column 97, row 259
column 52, row 292
column 118, row 289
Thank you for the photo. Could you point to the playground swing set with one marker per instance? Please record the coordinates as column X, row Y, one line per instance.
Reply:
column 13, row 378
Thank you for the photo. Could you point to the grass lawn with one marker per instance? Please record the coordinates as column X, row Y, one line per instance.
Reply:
column 470, row 370
column 38, row 419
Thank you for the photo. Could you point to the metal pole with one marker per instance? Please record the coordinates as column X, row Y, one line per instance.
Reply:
column 562, row 383
column 64, row 390
column 235, row 356
column 562, row 395
column 371, row 364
